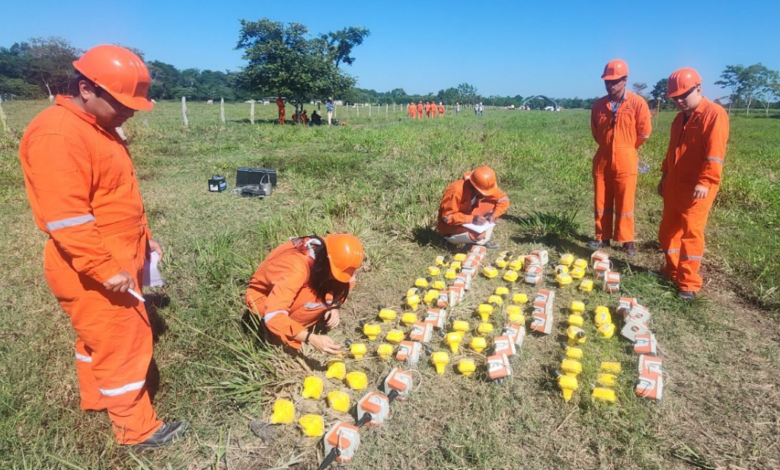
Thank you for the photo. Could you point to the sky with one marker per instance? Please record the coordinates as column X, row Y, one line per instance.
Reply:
column 557, row 49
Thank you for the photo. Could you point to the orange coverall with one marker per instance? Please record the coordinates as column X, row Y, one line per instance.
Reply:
column 280, row 292
column 419, row 110
column 616, row 163
column 460, row 204
column 412, row 111
column 441, row 110
column 280, row 105
column 697, row 147
column 84, row 194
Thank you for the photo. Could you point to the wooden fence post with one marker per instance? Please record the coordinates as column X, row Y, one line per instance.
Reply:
column 252, row 111
column 184, row 111
column 222, row 110
column 3, row 121
column 387, row 109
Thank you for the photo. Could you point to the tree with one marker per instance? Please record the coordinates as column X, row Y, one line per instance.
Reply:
column 769, row 89
column 468, row 93
column 52, row 63
column 284, row 60
column 639, row 88
column 730, row 78
column 754, row 78
column 659, row 93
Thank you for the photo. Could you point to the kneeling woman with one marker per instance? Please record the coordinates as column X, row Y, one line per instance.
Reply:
column 303, row 283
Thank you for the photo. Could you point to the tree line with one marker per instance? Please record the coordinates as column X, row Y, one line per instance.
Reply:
column 285, row 59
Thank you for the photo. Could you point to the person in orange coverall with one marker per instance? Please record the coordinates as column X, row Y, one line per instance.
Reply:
column 84, row 195
column 441, row 109
column 620, row 123
column 280, row 105
column 475, row 199
column 420, row 110
column 412, row 110
column 302, row 284
column 691, row 177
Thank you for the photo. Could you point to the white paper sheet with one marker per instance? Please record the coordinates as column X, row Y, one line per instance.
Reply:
column 152, row 276
column 479, row 228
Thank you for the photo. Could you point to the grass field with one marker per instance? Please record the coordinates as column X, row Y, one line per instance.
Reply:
column 381, row 178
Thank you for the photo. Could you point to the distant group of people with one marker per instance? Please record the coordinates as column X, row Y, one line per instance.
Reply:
column 429, row 110
column 302, row 117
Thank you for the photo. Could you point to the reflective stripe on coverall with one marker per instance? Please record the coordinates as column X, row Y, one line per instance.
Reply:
column 84, row 194
column 280, row 292
column 697, row 148
column 616, row 163
column 459, row 205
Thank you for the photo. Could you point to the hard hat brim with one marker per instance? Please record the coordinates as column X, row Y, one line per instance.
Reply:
column 612, row 77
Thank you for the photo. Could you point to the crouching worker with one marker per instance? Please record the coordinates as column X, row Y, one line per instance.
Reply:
column 474, row 200
column 301, row 285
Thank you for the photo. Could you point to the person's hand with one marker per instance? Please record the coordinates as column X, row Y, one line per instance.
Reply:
column 154, row 246
column 324, row 344
column 700, row 192
column 491, row 219
column 332, row 318
column 479, row 220
column 120, row 282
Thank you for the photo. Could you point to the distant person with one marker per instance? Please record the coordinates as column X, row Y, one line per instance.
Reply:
column 329, row 108
column 434, row 109
column 420, row 110
column 412, row 111
column 474, row 199
column 620, row 124
column 304, row 118
column 84, row 194
column 300, row 287
column 691, row 178
column 295, row 116
column 441, row 109
column 316, row 119
column 280, row 105
column 481, row 109
column 427, row 109
column 457, row 108
column 476, row 109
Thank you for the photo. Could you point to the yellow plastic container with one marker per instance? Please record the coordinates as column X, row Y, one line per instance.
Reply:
column 495, row 299
column 357, row 380
column 561, row 269
column 395, row 336
column 371, row 331
column 514, row 313
column 489, row 272
column 586, row 285
column 607, row 330
column 460, row 257
column 441, row 261
column 580, row 263
column 510, row 276
column 502, row 291
column 567, row 259
column 568, row 386
column 284, row 412
column 563, row 280
column 439, row 285
column 576, row 320
column 577, row 307
column 606, row 380
column 577, row 272
column 572, row 352
column 520, row 299
column 387, row 315
column 478, row 344
column 456, row 266
column 601, row 316
column 450, row 274
column 338, row 400
column 434, row 270
column 453, row 340
column 336, row 370
column 604, row 395
column 358, row 350
column 413, row 301
column 467, row 367
column 431, row 297
column 384, row 351
column 611, row 367
column 421, row 282
column 502, row 263
column 460, row 326
column 571, row 367
column 484, row 311
column 485, row 329
column 576, row 335
column 312, row 425
column 409, row 318
column 516, row 264
column 440, row 359
column 312, row 387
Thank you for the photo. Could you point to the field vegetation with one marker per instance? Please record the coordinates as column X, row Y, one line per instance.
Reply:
column 381, row 178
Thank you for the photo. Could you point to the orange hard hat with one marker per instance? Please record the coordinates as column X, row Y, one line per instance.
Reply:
column 682, row 80
column 484, row 180
column 345, row 253
column 615, row 69
column 118, row 71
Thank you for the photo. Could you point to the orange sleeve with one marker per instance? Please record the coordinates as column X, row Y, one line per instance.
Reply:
column 644, row 125
column 60, row 178
column 502, row 204
column 449, row 209
column 290, row 277
column 715, row 137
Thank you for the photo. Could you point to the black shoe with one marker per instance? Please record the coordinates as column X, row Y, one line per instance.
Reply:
column 598, row 244
column 491, row 245
column 165, row 434
column 629, row 248
column 687, row 295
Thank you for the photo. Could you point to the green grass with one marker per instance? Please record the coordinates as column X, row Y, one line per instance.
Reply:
column 382, row 178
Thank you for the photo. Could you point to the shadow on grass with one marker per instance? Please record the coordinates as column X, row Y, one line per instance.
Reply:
column 425, row 236
column 155, row 302
column 253, row 326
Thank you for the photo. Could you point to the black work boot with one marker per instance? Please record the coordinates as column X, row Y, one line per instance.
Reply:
column 598, row 244
column 687, row 295
column 165, row 434
column 491, row 245
column 629, row 248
